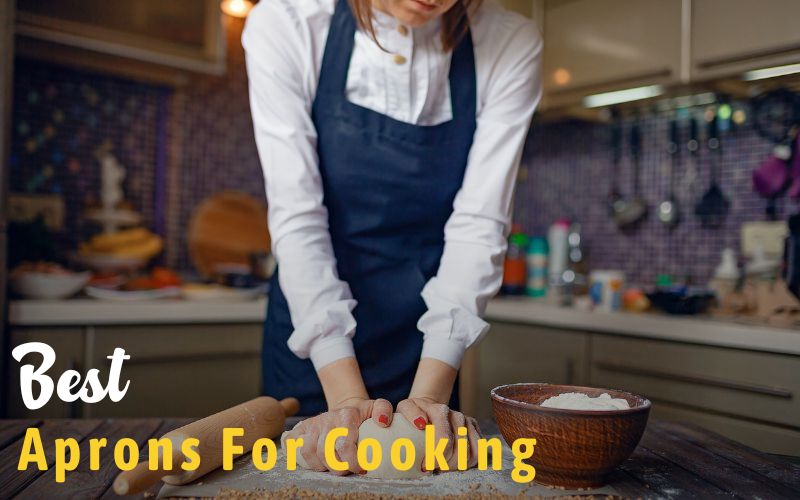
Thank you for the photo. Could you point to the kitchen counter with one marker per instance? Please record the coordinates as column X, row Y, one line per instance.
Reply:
column 77, row 312
column 697, row 330
column 705, row 330
column 672, row 460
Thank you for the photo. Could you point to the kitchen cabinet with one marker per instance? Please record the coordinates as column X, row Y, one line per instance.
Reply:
column 601, row 45
column 733, row 36
column 149, row 38
column 175, row 370
column 6, row 84
column 513, row 353
column 750, row 396
column 68, row 344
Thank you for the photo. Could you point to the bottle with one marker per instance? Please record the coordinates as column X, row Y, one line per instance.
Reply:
column 537, row 267
column 515, row 271
column 557, row 241
column 726, row 275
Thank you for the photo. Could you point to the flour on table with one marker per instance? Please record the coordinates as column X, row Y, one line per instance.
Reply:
column 581, row 401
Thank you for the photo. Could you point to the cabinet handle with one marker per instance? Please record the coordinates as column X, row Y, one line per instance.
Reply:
column 711, row 63
column 763, row 390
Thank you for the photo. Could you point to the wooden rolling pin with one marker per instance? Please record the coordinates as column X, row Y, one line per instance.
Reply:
column 260, row 417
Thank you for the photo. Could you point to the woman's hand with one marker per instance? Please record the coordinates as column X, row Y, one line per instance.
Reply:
column 421, row 411
column 350, row 414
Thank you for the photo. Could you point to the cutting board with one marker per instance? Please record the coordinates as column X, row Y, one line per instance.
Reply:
column 226, row 229
column 246, row 478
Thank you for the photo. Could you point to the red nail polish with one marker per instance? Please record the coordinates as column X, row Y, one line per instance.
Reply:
column 362, row 472
column 383, row 419
column 420, row 423
column 422, row 467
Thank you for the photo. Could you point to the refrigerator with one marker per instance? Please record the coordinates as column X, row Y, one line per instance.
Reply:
column 6, row 77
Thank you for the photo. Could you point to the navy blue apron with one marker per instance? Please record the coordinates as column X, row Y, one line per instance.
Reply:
column 389, row 188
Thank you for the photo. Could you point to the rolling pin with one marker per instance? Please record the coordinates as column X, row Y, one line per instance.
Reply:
column 259, row 417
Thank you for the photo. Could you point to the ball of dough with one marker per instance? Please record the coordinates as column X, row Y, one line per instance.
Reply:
column 386, row 436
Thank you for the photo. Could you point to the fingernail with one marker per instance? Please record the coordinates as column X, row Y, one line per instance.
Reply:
column 422, row 467
column 420, row 423
column 362, row 472
column 383, row 419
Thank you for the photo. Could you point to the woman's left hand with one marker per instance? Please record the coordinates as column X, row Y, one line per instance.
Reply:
column 421, row 411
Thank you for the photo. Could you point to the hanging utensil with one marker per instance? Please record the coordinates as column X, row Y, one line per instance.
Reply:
column 689, row 184
column 635, row 208
column 615, row 198
column 668, row 211
column 714, row 205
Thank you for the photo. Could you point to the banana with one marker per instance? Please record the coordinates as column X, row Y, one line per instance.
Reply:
column 141, row 249
column 110, row 242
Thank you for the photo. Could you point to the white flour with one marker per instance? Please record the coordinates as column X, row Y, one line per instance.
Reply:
column 581, row 401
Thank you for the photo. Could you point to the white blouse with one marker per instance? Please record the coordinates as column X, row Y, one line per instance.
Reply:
column 284, row 42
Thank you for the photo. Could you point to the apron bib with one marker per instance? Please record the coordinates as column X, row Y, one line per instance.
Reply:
column 389, row 188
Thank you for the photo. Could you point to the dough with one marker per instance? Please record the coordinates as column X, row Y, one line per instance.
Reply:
column 386, row 436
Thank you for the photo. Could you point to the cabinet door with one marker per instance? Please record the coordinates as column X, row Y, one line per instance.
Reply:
column 603, row 45
column 179, row 370
column 732, row 36
column 513, row 353
column 68, row 343
column 182, row 34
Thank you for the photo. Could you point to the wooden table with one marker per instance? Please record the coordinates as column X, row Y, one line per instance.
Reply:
column 673, row 460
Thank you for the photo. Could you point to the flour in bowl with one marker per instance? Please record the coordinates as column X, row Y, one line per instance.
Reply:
column 581, row 401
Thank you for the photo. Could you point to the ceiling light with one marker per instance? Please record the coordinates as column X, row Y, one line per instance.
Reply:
column 620, row 96
column 236, row 8
column 760, row 74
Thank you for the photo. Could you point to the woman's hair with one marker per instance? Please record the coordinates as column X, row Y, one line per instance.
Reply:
column 454, row 22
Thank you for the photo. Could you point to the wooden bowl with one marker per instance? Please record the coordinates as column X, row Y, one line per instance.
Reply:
column 574, row 448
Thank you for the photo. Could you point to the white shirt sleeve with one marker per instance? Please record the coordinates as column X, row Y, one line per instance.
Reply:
column 320, row 303
column 471, row 267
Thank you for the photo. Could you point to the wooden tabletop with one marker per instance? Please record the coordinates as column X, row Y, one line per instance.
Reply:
column 672, row 461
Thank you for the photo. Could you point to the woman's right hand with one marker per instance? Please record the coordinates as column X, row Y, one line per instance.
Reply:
column 349, row 414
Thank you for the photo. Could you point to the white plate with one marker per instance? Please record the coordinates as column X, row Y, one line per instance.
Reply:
column 131, row 296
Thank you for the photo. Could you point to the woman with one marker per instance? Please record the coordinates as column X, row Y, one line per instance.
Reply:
column 390, row 133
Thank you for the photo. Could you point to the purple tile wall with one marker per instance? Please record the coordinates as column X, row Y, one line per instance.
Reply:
column 182, row 145
column 569, row 169
column 60, row 116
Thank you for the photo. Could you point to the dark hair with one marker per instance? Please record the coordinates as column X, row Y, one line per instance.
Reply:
column 454, row 22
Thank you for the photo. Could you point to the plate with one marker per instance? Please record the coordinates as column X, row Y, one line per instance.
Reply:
column 217, row 293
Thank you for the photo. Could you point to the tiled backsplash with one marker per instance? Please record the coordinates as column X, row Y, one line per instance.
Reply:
column 181, row 145
column 569, row 167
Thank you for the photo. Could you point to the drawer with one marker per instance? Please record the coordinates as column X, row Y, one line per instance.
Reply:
column 168, row 341
column 188, row 387
column 513, row 353
column 770, row 439
column 755, row 385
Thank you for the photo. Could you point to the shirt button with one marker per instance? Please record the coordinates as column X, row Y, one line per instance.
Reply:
column 398, row 59
column 402, row 29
